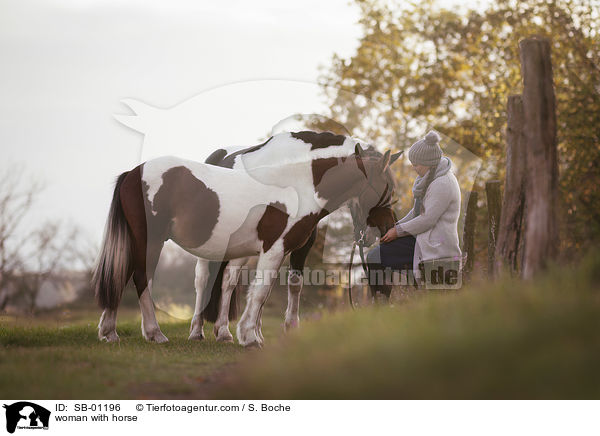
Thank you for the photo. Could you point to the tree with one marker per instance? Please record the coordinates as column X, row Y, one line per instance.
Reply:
column 15, row 202
column 28, row 259
column 422, row 65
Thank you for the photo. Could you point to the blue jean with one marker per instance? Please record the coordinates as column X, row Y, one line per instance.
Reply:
column 397, row 255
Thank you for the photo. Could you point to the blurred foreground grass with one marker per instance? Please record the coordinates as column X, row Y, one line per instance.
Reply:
column 502, row 340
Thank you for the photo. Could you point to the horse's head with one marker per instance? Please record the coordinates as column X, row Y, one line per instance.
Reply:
column 371, row 208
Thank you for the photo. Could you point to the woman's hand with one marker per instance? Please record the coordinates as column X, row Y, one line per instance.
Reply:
column 390, row 235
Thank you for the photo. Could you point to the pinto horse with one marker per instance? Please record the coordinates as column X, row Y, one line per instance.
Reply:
column 219, row 279
column 222, row 277
column 269, row 207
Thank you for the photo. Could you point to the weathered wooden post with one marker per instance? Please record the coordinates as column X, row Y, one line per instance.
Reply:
column 541, row 233
column 511, row 228
column 469, row 233
column 494, row 204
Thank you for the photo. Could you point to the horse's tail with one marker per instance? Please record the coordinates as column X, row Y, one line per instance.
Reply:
column 215, row 276
column 113, row 267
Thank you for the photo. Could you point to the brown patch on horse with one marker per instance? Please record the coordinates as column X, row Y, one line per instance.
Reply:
column 229, row 161
column 382, row 218
column 272, row 224
column 333, row 177
column 299, row 233
column 319, row 140
column 320, row 166
column 190, row 206
column 133, row 194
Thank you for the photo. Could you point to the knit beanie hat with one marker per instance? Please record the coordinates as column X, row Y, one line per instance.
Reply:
column 426, row 151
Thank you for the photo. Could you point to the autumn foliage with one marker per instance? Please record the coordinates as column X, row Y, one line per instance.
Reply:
column 421, row 65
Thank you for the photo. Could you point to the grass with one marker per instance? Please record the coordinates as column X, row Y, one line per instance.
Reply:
column 503, row 340
column 65, row 360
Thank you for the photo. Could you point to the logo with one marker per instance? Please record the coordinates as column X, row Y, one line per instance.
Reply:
column 26, row 415
column 442, row 273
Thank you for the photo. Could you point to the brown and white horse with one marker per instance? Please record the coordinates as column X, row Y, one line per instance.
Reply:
column 268, row 207
column 216, row 281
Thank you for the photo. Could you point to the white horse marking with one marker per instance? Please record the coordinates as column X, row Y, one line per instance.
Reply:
column 107, row 327
column 200, row 281
column 230, row 280
column 150, row 329
column 292, row 316
column 248, row 328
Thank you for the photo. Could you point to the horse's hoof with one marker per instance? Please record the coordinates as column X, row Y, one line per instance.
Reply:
column 222, row 334
column 254, row 345
column 110, row 337
column 290, row 325
column 196, row 334
column 248, row 337
column 156, row 337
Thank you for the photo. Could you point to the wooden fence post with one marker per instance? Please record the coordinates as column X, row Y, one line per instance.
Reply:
column 541, row 233
column 494, row 204
column 469, row 232
column 511, row 228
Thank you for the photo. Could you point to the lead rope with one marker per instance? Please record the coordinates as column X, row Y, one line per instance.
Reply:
column 350, row 276
column 361, row 246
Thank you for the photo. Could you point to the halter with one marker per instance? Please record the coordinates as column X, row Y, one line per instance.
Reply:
column 382, row 202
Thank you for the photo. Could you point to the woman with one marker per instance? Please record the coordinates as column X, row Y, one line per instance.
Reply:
column 429, row 231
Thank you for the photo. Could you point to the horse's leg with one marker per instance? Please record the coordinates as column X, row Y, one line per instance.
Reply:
column 295, row 279
column 259, row 326
column 150, row 327
column 292, row 313
column 107, row 327
column 231, row 276
column 247, row 328
column 142, row 277
column 200, row 282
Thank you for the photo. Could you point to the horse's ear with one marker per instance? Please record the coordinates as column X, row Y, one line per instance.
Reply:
column 395, row 157
column 358, row 150
column 385, row 160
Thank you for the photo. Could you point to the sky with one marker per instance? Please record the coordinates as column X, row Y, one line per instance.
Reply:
column 68, row 65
